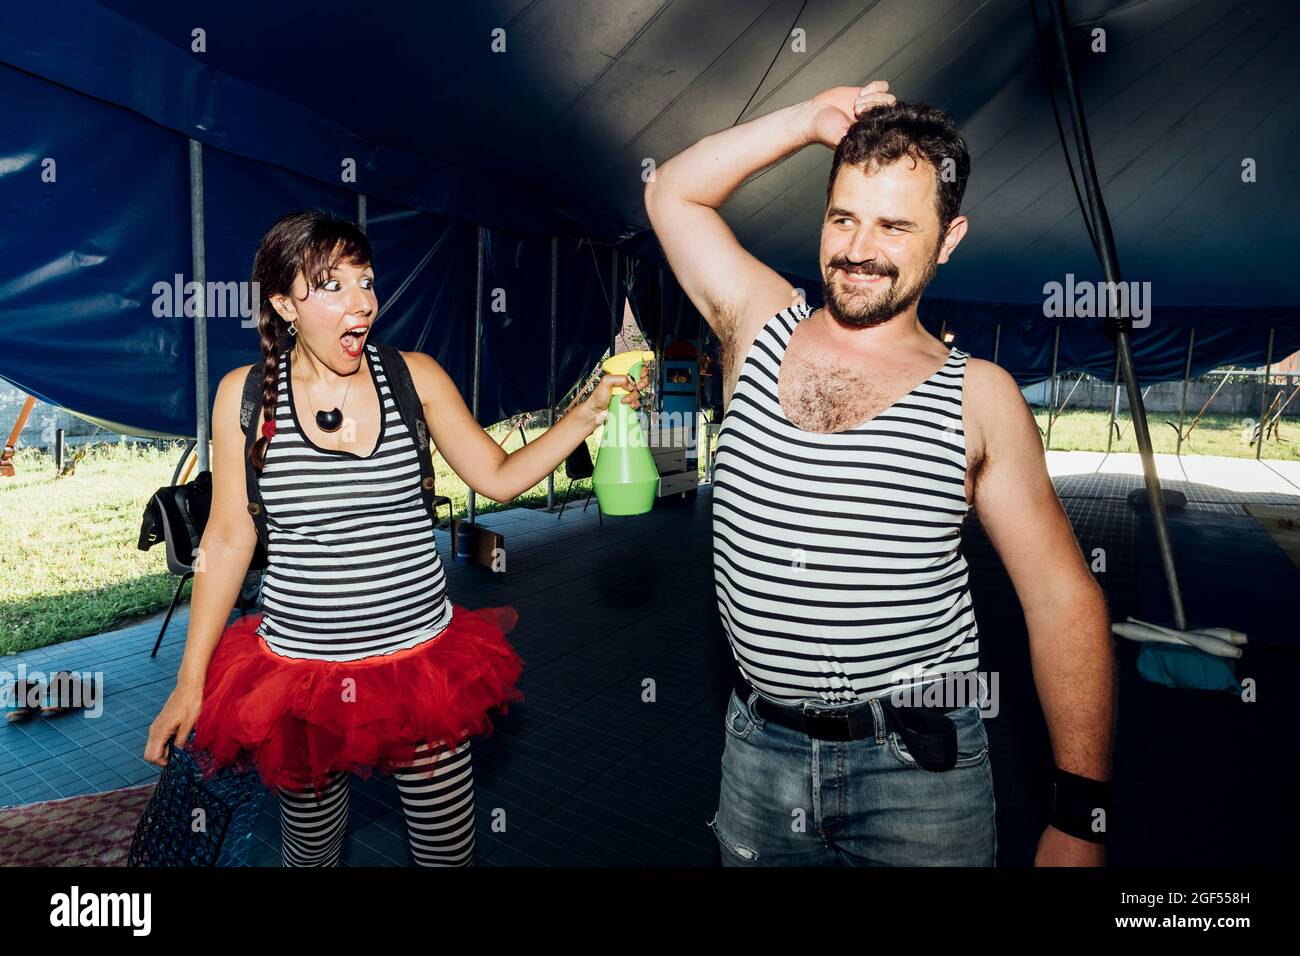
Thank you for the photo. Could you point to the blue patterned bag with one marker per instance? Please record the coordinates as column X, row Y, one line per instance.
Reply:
column 190, row 821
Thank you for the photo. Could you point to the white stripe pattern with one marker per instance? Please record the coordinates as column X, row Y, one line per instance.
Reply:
column 353, row 568
column 837, row 558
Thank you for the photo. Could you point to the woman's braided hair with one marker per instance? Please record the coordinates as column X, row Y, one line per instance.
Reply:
column 309, row 242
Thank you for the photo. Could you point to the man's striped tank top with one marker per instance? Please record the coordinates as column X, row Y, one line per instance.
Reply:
column 353, row 566
column 837, row 556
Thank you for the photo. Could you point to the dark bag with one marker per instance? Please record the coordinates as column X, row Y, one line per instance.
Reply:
column 181, row 509
column 408, row 405
column 177, row 514
column 171, row 833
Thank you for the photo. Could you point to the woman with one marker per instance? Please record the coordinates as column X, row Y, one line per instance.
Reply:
column 359, row 660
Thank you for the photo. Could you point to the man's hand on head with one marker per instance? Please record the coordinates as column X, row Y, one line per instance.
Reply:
column 835, row 110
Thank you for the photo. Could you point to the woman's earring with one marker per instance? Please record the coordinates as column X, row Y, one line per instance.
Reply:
column 293, row 328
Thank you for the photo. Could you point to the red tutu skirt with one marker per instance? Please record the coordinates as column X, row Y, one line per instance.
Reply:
column 296, row 721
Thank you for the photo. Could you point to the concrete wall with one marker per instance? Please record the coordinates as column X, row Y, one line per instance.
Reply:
column 1235, row 398
column 43, row 421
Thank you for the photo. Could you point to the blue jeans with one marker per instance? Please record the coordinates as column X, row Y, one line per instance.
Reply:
column 790, row 800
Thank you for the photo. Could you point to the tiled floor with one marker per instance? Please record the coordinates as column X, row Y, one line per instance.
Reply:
column 593, row 770
column 584, row 772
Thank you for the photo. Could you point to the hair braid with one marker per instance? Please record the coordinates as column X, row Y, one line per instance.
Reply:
column 273, row 343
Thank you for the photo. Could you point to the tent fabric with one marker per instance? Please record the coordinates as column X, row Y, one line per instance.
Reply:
column 517, row 319
column 550, row 131
column 1022, row 336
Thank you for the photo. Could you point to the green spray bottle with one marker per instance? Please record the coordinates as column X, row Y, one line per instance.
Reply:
column 625, row 478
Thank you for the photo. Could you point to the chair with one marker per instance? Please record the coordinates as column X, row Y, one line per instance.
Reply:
column 577, row 467
column 178, row 514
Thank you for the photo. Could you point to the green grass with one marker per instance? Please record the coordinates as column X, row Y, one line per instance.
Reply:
column 71, row 567
column 1085, row 430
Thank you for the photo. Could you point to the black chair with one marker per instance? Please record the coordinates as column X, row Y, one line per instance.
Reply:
column 577, row 467
column 438, row 502
column 177, row 515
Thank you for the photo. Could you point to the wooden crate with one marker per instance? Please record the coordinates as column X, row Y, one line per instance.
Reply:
column 488, row 542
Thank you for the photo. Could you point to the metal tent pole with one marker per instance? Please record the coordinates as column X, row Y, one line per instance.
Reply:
column 478, row 350
column 1110, row 267
column 1263, row 395
column 1187, row 374
column 550, row 378
column 199, row 263
column 1114, row 405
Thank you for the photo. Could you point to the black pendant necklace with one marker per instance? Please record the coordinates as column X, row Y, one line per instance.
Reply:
column 331, row 420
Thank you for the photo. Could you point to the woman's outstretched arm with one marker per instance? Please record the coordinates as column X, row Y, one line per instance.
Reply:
column 483, row 464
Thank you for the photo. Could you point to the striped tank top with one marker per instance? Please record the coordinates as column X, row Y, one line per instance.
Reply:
column 353, row 567
column 836, row 557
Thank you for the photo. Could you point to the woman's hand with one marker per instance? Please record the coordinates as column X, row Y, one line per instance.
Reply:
column 174, row 721
column 836, row 109
column 595, row 409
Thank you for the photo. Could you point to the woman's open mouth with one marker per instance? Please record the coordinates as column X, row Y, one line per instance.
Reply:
column 351, row 340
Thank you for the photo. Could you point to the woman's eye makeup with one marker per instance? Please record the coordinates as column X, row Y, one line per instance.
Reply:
column 333, row 285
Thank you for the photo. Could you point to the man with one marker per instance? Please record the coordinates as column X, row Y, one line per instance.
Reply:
column 853, row 442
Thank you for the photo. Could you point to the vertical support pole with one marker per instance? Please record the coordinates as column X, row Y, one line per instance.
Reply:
column 1187, row 375
column 361, row 212
column 1114, row 404
column 997, row 341
column 1122, row 332
column 199, row 264
column 1263, row 396
column 478, row 351
column 1051, row 411
column 550, row 377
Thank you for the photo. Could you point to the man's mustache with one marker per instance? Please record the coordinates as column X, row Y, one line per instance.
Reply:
column 870, row 267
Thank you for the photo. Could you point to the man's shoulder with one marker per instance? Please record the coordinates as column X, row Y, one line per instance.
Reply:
column 988, row 385
column 745, row 326
column 997, row 417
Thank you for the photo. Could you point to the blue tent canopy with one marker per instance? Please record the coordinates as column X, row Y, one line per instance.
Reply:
column 536, row 120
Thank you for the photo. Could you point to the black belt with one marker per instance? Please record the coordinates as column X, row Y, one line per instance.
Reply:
column 930, row 735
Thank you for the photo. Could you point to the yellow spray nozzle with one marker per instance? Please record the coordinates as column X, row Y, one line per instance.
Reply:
column 622, row 363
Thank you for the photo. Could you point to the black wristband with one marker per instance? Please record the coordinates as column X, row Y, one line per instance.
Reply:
column 1081, row 806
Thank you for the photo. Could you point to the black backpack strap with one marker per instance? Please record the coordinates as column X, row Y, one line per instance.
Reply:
column 249, row 412
column 412, row 411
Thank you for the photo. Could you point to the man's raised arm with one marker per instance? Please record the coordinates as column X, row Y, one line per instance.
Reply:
column 683, row 196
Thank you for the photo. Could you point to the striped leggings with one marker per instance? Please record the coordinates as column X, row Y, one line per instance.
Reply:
column 437, row 802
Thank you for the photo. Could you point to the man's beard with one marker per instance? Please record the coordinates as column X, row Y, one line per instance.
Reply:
column 863, row 308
